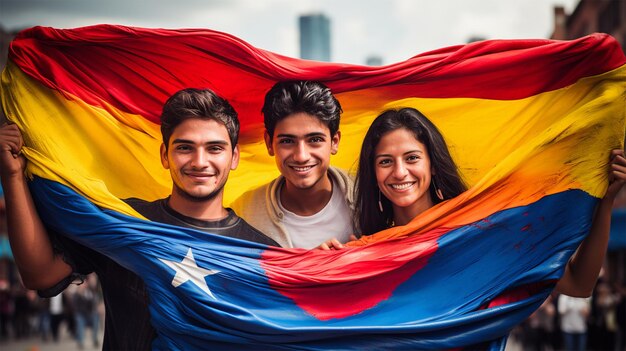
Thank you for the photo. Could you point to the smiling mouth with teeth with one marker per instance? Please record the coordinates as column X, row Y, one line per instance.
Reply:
column 401, row 186
column 302, row 169
column 203, row 175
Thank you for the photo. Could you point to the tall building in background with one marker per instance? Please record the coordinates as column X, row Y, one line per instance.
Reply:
column 605, row 16
column 315, row 37
column 6, row 36
column 374, row 60
column 475, row 38
column 590, row 16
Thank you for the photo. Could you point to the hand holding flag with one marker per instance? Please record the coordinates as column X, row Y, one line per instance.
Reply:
column 529, row 122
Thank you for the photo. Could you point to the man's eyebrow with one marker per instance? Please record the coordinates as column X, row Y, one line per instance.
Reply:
column 211, row 142
column 315, row 134
column 295, row 136
column 285, row 136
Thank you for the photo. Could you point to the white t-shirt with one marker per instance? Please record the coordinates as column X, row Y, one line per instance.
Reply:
column 56, row 305
column 574, row 312
column 333, row 221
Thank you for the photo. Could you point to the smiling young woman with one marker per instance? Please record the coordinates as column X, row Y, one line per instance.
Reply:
column 405, row 169
column 402, row 159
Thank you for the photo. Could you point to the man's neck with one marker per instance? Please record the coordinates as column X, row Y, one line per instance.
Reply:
column 306, row 202
column 208, row 210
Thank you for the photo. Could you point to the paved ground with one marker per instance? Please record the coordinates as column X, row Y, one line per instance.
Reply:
column 65, row 343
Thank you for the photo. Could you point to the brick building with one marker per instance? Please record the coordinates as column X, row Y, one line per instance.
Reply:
column 591, row 16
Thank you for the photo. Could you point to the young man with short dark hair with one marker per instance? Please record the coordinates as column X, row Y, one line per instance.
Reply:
column 200, row 132
column 311, row 202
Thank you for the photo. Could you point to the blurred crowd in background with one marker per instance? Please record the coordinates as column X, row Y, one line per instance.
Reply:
column 569, row 323
column 25, row 315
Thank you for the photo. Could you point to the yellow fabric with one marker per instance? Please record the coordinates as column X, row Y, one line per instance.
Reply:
column 90, row 162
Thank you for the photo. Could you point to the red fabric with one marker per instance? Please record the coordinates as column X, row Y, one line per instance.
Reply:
column 332, row 293
column 519, row 293
column 160, row 62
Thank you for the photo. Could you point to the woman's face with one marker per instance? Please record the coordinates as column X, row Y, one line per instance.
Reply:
column 403, row 173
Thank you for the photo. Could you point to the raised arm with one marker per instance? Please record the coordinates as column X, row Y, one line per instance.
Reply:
column 39, row 267
column 583, row 268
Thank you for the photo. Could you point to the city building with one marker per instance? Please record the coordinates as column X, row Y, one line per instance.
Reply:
column 591, row 16
column 315, row 37
column 374, row 60
column 604, row 16
column 475, row 38
column 6, row 36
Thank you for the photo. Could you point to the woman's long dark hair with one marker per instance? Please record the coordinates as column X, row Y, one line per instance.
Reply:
column 446, row 174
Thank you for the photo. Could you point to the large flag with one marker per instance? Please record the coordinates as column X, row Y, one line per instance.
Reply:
column 529, row 122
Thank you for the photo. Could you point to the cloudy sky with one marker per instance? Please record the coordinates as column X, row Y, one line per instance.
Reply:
column 392, row 29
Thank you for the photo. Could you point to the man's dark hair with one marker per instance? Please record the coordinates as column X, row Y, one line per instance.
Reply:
column 289, row 97
column 198, row 103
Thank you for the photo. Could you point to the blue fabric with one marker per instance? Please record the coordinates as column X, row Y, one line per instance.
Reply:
column 439, row 307
column 617, row 240
column 5, row 248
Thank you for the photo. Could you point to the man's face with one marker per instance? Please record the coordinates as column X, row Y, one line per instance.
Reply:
column 302, row 146
column 199, row 157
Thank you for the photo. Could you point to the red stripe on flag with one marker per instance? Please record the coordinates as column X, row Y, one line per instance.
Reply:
column 97, row 63
column 334, row 292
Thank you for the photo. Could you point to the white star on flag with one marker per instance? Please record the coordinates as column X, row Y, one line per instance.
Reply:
column 187, row 269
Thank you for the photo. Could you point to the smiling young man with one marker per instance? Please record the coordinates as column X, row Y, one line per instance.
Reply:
column 310, row 202
column 200, row 132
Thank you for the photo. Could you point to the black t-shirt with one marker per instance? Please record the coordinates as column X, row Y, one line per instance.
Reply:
column 127, row 319
column 232, row 226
